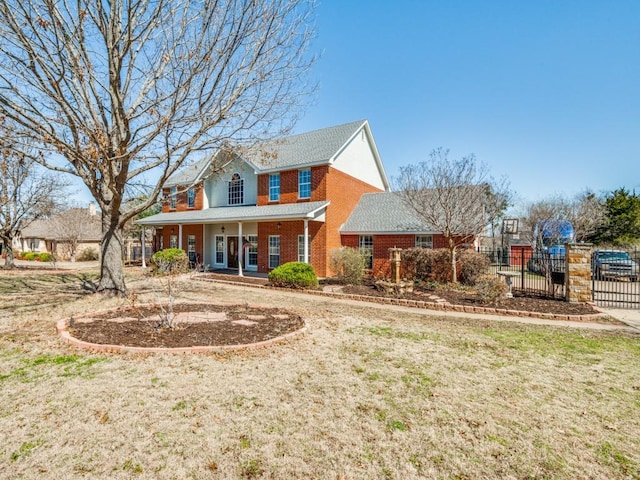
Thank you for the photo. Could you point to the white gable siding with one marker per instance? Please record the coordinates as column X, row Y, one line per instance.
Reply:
column 357, row 159
column 217, row 186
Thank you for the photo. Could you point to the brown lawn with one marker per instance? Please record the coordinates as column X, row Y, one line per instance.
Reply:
column 367, row 393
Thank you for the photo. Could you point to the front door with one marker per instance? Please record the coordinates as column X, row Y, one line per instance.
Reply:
column 232, row 252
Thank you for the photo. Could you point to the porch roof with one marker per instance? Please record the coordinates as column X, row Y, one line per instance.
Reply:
column 246, row 213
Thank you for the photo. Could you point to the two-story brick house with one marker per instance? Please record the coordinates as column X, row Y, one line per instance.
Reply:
column 286, row 200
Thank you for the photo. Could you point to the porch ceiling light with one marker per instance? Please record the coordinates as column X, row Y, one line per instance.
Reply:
column 222, row 229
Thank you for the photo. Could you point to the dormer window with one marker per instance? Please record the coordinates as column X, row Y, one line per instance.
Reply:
column 173, row 198
column 191, row 198
column 236, row 190
column 304, row 183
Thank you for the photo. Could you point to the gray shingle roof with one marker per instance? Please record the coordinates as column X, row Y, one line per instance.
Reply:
column 50, row 229
column 188, row 175
column 232, row 214
column 385, row 212
column 310, row 148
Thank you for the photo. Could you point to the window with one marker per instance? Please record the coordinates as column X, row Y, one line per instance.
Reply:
column 219, row 245
column 365, row 245
column 304, row 183
column 252, row 251
column 301, row 248
column 173, row 241
column 424, row 241
column 173, row 198
column 236, row 190
column 191, row 198
column 191, row 243
column 274, row 251
column 274, row 187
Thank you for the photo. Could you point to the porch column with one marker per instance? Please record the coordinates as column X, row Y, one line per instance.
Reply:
column 204, row 248
column 144, row 243
column 180, row 236
column 240, row 249
column 306, row 241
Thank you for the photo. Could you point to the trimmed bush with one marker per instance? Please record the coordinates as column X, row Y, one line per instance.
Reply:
column 293, row 275
column 426, row 264
column 45, row 257
column 88, row 255
column 170, row 261
column 472, row 265
column 30, row 256
column 490, row 288
column 347, row 265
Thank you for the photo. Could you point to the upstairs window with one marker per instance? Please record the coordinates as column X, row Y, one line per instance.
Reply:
column 274, row 187
column 191, row 198
column 304, row 183
column 236, row 190
column 173, row 198
column 424, row 241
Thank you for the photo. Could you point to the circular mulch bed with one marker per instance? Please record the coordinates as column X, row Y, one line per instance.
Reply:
column 196, row 327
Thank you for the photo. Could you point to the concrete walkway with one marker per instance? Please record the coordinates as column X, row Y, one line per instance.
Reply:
column 629, row 316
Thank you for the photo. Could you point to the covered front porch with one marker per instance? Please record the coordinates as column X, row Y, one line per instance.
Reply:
column 241, row 239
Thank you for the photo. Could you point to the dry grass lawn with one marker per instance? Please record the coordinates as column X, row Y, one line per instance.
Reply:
column 367, row 393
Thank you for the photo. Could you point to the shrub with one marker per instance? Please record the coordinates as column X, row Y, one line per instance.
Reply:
column 427, row 264
column 170, row 261
column 293, row 275
column 45, row 257
column 347, row 265
column 30, row 256
column 88, row 255
column 490, row 288
column 472, row 265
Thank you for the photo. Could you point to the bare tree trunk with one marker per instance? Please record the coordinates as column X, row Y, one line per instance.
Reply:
column 9, row 262
column 452, row 249
column 111, row 249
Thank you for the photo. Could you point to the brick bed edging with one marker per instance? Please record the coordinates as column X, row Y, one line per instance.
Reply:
column 443, row 307
column 63, row 324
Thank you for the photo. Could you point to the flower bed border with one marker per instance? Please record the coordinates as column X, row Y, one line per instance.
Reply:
column 62, row 328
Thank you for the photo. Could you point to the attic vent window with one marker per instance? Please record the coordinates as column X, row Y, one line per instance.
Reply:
column 236, row 190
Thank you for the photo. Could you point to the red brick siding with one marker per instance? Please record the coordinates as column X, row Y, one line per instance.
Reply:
column 288, row 233
column 289, row 186
column 181, row 204
column 186, row 231
column 344, row 191
column 382, row 244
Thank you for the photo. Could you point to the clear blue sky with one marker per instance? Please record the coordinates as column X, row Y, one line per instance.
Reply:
column 546, row 93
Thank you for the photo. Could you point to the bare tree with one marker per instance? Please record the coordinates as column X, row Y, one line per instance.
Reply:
column 457, row 197
column 128, row 90
column 26, row 192
column 587, row 213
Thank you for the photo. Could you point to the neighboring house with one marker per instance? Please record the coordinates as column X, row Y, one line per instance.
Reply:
column 67, row 234
column 381, row 221
column 284, row 201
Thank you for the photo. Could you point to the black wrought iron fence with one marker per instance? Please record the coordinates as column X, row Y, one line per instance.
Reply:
column 615, row 273
column 539, row 273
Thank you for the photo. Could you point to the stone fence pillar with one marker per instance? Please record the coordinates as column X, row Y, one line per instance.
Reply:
column 578, row 272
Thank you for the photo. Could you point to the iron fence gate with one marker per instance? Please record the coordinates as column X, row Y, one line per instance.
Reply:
column 538, row 273
column 615, row 275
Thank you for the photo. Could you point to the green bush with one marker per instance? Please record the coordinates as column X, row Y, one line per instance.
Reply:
column 472, row 265
column 293, row 275
column 170, row 261
column 45, row 257
column 347, row 265
column 30, row 256
column 88, row 255
column 490, row 288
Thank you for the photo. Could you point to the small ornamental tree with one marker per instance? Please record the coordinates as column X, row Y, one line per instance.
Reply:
column 168, row 265
column 347, row 265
